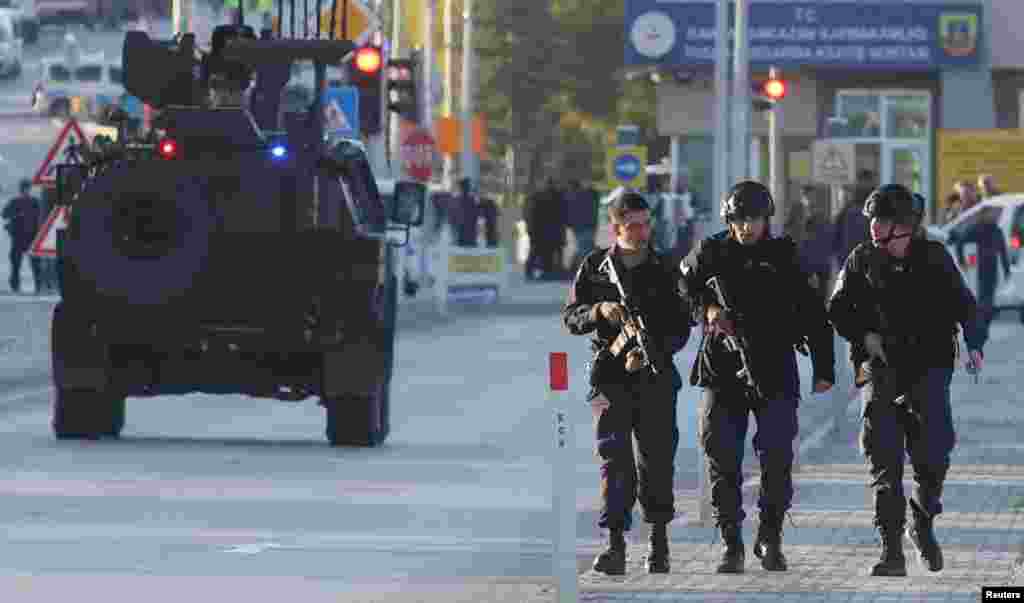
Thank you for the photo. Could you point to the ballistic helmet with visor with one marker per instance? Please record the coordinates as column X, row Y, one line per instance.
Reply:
column 894, row 202
column 748, row 200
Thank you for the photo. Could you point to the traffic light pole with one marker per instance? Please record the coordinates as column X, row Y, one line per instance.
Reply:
column 394, row 127
column 775, row 179
column 722, row 164
column 470, row 165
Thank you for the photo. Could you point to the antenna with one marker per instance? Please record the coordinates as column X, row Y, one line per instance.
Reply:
column 305, row 19
column 241, row 12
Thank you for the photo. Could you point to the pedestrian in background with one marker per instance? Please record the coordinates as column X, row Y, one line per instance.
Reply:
column 953, row 208
column 581, row 206
column 470, row 207
column 967, row 193
column 22, row 220
column 987, row 186
column 991, row 245
column 851, row 227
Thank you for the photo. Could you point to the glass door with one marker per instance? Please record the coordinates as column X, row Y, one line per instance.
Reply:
column 906, row 163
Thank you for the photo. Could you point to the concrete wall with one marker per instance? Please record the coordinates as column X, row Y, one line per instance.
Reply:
column 1007, row 17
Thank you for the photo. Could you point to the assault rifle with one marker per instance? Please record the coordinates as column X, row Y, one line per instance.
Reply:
column 738, row 342
column 634, row 321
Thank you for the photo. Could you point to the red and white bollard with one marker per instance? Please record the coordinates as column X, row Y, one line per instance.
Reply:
column 563, row 482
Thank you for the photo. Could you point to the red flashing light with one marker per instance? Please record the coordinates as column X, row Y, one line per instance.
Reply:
column 1015, row 242
column 972, row 260
column 775, row 89
column 168, row 148
column 368, row 59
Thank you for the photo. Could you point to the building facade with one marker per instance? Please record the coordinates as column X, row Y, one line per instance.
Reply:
column 882, row 77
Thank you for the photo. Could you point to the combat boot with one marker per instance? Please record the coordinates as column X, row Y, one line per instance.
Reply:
column 892, row 561
column 733, row 555
column 923, row 538
column 657, row 551
column 768, row 545
column 612, row 560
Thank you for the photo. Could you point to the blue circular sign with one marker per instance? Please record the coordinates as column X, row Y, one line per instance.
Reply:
column 627, row 167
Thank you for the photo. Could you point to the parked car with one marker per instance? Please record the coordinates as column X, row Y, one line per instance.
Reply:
column 26, row 21
column 1009, row 294
column 10, row 47
column 76, row 84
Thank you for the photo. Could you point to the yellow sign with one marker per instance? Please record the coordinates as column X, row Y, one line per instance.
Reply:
column 490, row 263
column 964, row 154
column 362, row 22
column 627, row 166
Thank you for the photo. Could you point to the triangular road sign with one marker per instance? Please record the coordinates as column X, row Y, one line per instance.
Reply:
column 45, row 243
column 47, row 173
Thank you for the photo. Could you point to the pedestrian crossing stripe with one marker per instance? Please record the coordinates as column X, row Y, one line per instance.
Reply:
column 45, row 243
column 72, row 134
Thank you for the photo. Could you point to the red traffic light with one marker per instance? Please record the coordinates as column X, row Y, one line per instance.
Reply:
column 168, row 148
column 775, row 89
column 368, row 60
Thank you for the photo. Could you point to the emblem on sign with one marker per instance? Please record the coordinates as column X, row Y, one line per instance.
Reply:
column 653, row 34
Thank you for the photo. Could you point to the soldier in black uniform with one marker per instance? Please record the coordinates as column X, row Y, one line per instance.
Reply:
column 640, row 398
column 770, row 310
column 898, row 300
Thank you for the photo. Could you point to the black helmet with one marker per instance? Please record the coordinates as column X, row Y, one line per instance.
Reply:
column 748, row 199
column 895, row 202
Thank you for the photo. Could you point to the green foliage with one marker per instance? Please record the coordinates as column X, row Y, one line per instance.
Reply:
column 552, row 84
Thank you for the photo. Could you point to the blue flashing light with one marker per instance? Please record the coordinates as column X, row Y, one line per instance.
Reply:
column 278, row 151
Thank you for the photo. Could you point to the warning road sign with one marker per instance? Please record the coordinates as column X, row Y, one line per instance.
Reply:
column 45, row 243
column 71, row 135
column 834, row 162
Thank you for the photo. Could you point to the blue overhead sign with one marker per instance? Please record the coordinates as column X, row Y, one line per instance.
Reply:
column 862, row 35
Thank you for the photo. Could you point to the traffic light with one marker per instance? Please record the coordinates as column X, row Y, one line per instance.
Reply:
column 364, row 71
column 401, row 86
column 767, row 92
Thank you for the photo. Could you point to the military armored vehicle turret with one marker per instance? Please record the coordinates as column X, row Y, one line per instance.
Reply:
column 230, row 251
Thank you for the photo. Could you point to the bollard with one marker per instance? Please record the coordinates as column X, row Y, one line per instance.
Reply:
column 563, row 482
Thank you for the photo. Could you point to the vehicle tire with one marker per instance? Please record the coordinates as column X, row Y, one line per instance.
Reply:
column 80, row 413
column 178, row 224
column 366, row 420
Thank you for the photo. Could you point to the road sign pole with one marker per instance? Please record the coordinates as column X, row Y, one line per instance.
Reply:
column 775, row 183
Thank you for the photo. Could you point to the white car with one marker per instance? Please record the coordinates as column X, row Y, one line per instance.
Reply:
column 10, row 47
column 23, row 13
column 79, row 88
column 1009, row 294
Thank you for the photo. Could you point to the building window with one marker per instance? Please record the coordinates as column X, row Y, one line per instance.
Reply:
column 859, row 115
column 907, row 116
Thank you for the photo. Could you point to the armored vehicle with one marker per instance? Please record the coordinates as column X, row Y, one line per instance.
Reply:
column 231, row 250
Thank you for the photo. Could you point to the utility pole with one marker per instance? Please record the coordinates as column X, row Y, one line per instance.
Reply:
column 181, row 11
column 723, row 165
column 426, row 85
column 394, row 125
column 741, row 94
column 470, row 160
column 448, row 178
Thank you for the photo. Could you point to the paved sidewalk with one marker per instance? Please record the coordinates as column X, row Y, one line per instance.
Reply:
column 830, row 542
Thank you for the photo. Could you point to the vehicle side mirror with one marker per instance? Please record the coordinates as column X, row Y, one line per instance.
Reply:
column 409, row 200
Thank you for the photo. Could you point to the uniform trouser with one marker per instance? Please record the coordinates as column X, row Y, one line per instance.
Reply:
column 724, row 424
column 18, row 251
column 643, row 408
column 923, row 427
